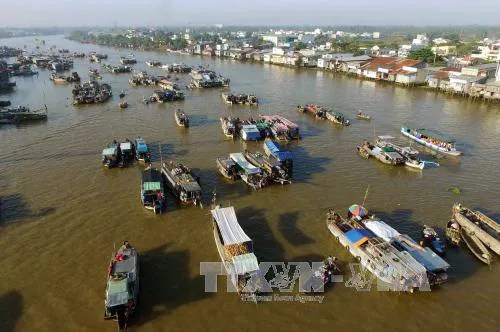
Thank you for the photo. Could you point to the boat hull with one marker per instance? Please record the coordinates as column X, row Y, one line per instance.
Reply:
column 453, row 153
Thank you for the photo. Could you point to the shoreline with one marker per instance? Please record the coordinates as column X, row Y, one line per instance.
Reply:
column 424, row 86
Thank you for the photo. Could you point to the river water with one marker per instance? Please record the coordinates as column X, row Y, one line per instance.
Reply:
column 62, row 212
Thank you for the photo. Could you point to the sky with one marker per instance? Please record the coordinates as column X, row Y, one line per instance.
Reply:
column 67, row 13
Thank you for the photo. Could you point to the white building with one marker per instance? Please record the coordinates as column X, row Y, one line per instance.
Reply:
column 306, row 38
column 420, row 41
column 376, row 35
column 440, row 40
column 278, row 51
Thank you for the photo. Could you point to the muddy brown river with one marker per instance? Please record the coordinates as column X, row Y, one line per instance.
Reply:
column 62, row 213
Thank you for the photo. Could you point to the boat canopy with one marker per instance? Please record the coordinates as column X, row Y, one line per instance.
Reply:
column 275, row 150
column 251, row 131
column 141, row 145
column 151, row 186
column 245, row 263
column 126, row 146
column 425, row 256
column 381, row 229
column 109, row 151
column 386, row 137
column 358, row 236
column 239, row 159
column 226, row 162
column 229, row 227
column 117, row 293
column 434, row 134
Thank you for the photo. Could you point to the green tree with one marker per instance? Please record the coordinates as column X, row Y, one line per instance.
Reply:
column 300, row 46
column 425, row 54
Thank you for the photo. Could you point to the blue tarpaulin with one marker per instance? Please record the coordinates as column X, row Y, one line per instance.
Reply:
column 142, row 147
column 358, row 236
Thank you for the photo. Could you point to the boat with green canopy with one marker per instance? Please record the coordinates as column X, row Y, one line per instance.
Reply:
column 152, row 190
column 432, row 140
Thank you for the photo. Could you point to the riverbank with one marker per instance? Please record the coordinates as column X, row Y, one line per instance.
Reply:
column 489, row 92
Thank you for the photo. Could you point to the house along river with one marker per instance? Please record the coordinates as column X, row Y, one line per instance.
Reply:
column 62, row 212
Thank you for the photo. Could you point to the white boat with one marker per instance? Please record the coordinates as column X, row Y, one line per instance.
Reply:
column 432, row 140
column 436, row 266
column 236, row 252
column 249, row 173
column 395, row 270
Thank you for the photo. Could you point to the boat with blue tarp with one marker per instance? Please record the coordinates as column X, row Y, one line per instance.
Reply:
column 274, row 149
column 436, row 266
column 142, row 153
column 396, row 270
column 250, row 132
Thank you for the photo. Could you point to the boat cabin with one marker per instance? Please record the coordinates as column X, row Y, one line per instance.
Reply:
column 110, row 157
column 152, row 192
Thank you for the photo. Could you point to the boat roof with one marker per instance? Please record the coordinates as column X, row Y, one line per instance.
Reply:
column 245, row 263
column 239, row 159
column 226, row 162
column 109, row 151
column 250, row 128
column 274, row 148
column 425, row 256
column 386, row 137
column 435, row 134
column 126, row 146
column 151, row 186
column 151, row 175
column 117, row 292
column 381, row 229
column 228, row 225
column 141, row 147
column 335, row 113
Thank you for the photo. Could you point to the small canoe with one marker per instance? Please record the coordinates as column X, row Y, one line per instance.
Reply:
column 363, row 116
column 476, row 247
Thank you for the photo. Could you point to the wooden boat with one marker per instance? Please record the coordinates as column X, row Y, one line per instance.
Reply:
column 396, row 270
column 430, row 239
column 477, row 230
column 432, row 140
column 111, row 155
column 249, row 173
column 236, row 251
column 386, row 155
column 477, row 248
column 127, row 150
column 435, row 266
column 282, row 128
column 228, row 168
column 21, row 114
column 152, row 190
column 363, row 116
column 338, row 118
column 313, row 109
column 273, row 149
column 59, row 79
column 410, row 154
column 142, row 153
column 182, row 183
column 242, row 99
column 228, row 126
column 181, row 119
column 326, row 274
column 274, row 170
column 122, row 288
